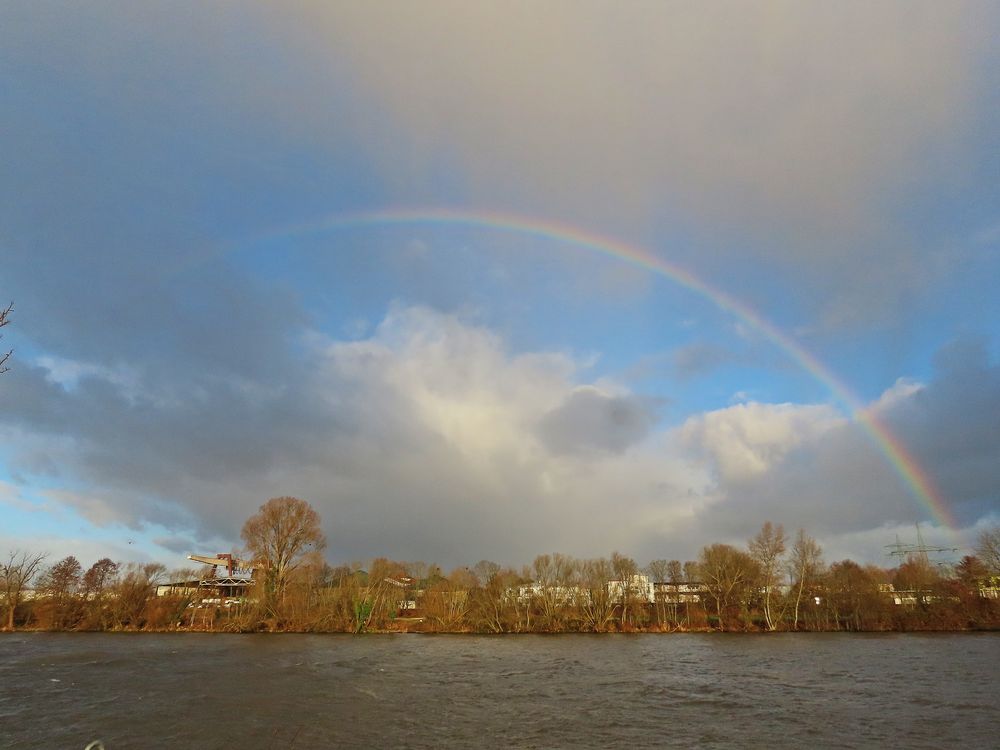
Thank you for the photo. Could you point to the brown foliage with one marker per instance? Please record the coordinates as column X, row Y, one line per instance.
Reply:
column 61, row 607
column 855, row 599
column 16, row 573
column 280, row 536
column 728, row 575
column 726, row 590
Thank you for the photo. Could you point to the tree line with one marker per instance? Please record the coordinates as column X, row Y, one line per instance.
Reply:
column 776, row 582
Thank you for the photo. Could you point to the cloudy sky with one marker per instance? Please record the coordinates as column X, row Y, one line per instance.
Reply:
column 201, row 320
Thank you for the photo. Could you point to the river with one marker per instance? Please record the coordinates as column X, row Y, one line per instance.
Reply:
column 203, row 691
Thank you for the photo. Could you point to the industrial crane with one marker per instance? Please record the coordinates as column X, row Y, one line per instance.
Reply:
column 223, row 559
column 238, row 573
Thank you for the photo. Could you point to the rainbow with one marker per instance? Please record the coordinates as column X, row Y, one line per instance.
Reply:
column 905, row 465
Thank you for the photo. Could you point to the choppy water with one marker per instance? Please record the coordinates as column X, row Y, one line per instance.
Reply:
column 411, row 691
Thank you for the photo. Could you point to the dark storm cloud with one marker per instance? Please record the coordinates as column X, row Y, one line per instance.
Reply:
column 590, row 420
column 840, row 482
column 122, row 170
column 134, row 145
column 180, row 545
column 145, row 127
column 793, row 137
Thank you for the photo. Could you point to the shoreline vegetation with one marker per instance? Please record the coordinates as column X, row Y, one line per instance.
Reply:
column 280, row 583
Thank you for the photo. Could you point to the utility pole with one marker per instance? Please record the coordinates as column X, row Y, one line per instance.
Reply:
column 920, row 550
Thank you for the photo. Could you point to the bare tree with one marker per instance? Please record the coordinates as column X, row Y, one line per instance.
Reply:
column 805, row 566
column 692, row 571
column 659, row 572
column 853, row 596
column 16, row 573
column 553, row 574
column 130, row 593
column 726, row 572
column 919, row 576
column 279, row 537
column 766, row 549
column 598, row 603
column 379, row 600
column 492, row 601
column 98, row 576
column 627, row 587
column 988, row 549
column 61, row 586
column 4, row 320
column 675, row 574
column 447, row 603
column 96, row 583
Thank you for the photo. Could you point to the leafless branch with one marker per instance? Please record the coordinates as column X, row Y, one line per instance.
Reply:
column 4, row 320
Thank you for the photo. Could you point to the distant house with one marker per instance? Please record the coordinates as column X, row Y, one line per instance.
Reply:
column 179, row 588
column 679, row 592
column 638, row 588
column 562, row 595
column 989, row 588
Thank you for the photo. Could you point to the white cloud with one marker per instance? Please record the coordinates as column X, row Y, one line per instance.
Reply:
column 68, row 372
column 898, row 393
column 747, row 439
column 450, row 430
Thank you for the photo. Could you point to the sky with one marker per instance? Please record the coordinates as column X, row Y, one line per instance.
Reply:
column 488, row 280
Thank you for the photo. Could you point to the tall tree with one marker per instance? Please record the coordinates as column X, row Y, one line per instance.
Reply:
column 692, row 571
column 130, row 593
column 489, row 599
column 659, row 572
column 726, row 573
column 16, row 573
column 988, row 549
column 675, row 574
column 805, row 565
column 500, row 612
column 98, row 577
column 626, row 573
column 854, row 596
column 96, row 582
column 379, row 599
column 279, row 537
column 766, row 549
column 970, row 572
column 919, row 576
column 447, row 602
column 553, row 574
column 61, row 585
column 598, row 601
